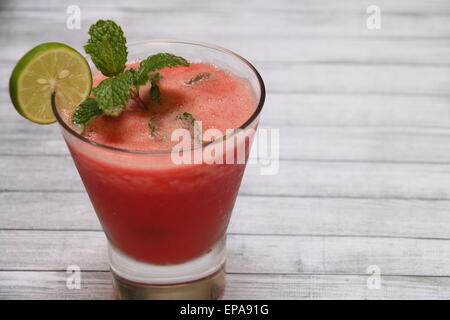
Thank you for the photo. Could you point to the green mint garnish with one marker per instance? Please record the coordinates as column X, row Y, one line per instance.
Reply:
column 112, row 92
column 186, row 117
column 107, row 47
column 199, row 77
column 86, row 111
column 155, row 92
column 152, row 124
column 156, row 62
column 156, row 77
column 189, row 122
column 130, row 76
column 115, row 111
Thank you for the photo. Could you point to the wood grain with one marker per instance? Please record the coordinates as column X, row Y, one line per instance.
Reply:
column 245, row 23
column 290, row 49
column 253, row 215
column 358, row 79
column 306, row 110
column 434, row 7
column 364, row 118
column 303, row 179
column 410, row 145
column 97, row 285
column 53, row 251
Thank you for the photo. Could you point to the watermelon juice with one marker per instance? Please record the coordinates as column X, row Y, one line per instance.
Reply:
column 156, row 211
column 165, row 213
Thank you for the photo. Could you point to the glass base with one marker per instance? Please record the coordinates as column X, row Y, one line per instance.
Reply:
column 200, row 278
column 208, row 288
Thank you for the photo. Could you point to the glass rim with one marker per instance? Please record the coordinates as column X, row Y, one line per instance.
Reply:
column 249, row 121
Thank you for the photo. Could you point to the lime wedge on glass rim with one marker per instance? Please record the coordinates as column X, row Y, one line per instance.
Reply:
column 46, row 69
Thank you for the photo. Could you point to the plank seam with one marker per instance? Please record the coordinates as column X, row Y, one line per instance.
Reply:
column 246, row 234
column 247, row 273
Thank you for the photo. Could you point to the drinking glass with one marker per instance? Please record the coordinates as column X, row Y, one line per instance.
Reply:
column 166, row 221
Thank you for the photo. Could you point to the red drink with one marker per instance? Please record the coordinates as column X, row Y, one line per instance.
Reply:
column 144, row 213
column 156, row 212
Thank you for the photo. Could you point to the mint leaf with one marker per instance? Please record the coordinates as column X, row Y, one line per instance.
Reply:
column 86, row 111
column 186, row 117
column 156, row 77
column 115, row 111
column 199, row 77
column 152, row 124
column 189, row 122
column 155, row 93
column 130, row 76
column 107, row 47
column 113, row 93
column 156, row 62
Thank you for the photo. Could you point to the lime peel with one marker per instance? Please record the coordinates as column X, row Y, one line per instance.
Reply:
column 47, row 68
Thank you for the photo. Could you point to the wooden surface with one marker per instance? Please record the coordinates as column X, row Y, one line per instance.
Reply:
column 364, row 180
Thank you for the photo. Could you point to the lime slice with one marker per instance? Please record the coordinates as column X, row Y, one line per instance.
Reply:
column 47, row 68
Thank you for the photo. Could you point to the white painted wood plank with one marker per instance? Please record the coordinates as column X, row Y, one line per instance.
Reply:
column 253, row 215
column 356, row 110
column 55, row 250
column 197, row 24
column 307, row 110
column 44, row 211
column 315, row 69
column 337, row 255
column 358, row 79
column 298, row 49
column 368, row 180
column 403, row 6
column 282, row 46
column 314, row 110
column 296, row 143
column 362, row 144
column 336, row 287
column 365, row 50
column 305, row 179
column 97, row 285
column 17, row 285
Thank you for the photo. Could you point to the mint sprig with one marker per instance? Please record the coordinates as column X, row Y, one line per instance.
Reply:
column 86, row 111
column 113, row 92
column 186, row 117
column 155, row 92
column 188, row 122
column 157, row 62
column 155, row 78
column 152, row 124
column 107, row 48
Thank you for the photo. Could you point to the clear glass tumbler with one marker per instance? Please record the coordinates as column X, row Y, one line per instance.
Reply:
column 166, row 221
